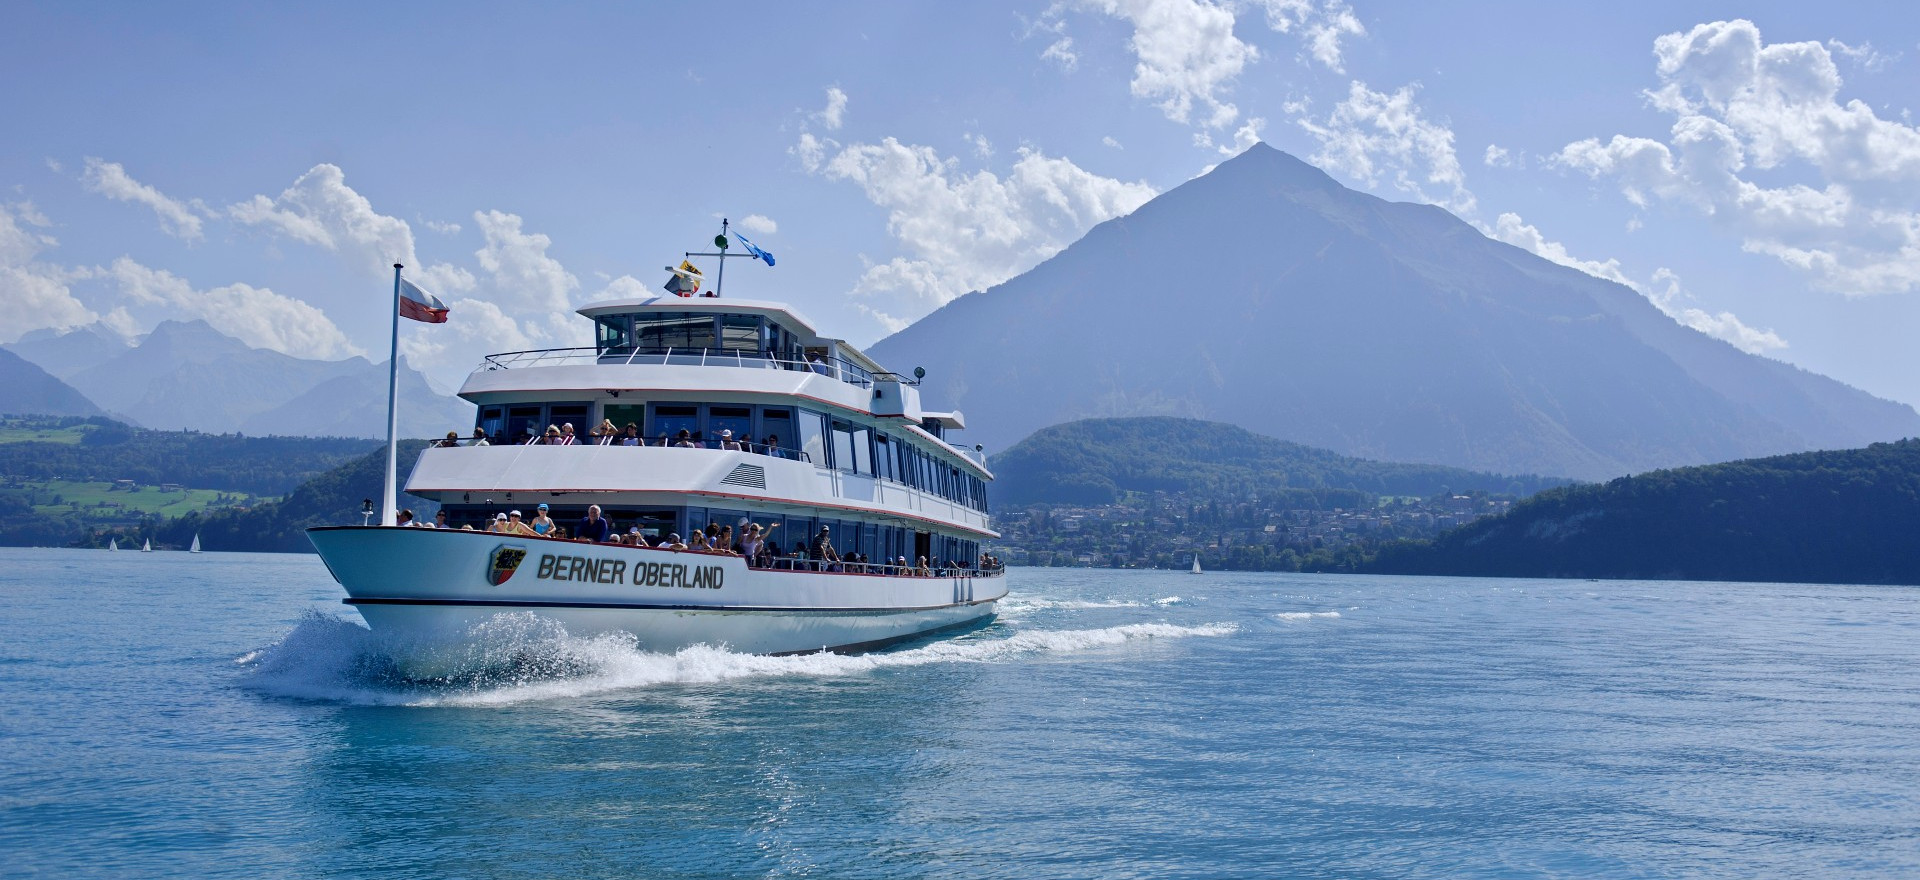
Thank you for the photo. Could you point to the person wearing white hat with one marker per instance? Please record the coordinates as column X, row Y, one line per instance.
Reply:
column 727, row 441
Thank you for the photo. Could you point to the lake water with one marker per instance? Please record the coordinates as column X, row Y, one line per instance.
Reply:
column 222, row 715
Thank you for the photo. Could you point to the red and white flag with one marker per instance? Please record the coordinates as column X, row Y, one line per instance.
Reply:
column 421, row 305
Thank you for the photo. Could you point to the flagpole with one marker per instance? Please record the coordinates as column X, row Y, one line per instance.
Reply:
column 389, row 497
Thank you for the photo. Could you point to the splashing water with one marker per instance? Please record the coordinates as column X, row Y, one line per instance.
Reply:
column 521, row 657
column 1305, row 615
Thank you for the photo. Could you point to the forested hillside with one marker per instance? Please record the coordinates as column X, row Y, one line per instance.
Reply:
column 333, row 498
column 1095, row 461
column 1845, row 516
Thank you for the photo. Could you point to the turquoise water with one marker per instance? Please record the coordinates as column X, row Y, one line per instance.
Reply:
column 167, row 715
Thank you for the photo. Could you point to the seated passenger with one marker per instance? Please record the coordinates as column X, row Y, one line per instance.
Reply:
column 451, row 440
column 771, row 446
column 684, row 439
column 727, row 441
column 631, row 436
column 439, row 520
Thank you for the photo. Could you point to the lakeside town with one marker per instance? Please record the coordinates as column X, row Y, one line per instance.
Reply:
column 1166, row 530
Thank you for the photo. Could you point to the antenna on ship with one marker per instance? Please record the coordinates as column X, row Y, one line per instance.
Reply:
column 721, row 241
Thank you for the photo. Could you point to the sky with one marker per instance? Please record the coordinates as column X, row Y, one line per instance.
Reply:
column 1753, row 169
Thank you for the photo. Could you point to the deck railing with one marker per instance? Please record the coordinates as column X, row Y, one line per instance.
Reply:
column 654, row 443
column 845, row 371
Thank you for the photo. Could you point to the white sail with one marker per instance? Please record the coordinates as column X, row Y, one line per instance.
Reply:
column 113, row 543
column 196, row 543
column 147, row 547
column 1196, row 565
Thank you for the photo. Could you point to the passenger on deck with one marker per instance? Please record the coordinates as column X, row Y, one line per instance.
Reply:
column 593, row 526
column 439, row 520
column 607, row 433
column 900, row 566
column 727, row 441
column 552, row 437
column 922, row 570
column 684, row 439
column 541, row 522
column 566, row 435
column 630, row 437
column 726, row 544
column 451, row 440
column 822, row 550
column 479, row 438
column 405, row 518
column 637, row 539
column 698, row 542
column 515, row 527
column 499, row 523
column 771, row 446
column 674, row 542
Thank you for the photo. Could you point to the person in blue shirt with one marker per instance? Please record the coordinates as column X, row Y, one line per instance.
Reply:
column 594, row 527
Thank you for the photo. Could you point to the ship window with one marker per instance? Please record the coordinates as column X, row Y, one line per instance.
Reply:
column 777, row 423
column 493, row 419
column 862, row 451
column 843, row 455
column 614, row 334
column 574, row 414
column 670, row 419
column 738, row 419
column 740, row 332
column 624, row 414
column 522, row 423
column 882, row 457
column 655, row 331
column 813, row 440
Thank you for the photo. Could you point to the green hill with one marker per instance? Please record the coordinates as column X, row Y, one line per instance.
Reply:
column 71, row 480
column 1844, row 516
column 1097, row 461
column 331, row 499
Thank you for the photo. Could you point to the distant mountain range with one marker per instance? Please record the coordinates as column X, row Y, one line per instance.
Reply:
column 1096, row 461
column 188, row 376
column 1840, row 517
column 1267, row 295
column 26, row 388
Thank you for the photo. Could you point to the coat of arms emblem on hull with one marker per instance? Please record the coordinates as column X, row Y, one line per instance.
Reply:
column 502, row 564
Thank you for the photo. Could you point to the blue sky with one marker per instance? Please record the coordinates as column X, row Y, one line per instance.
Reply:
column 1752, row 168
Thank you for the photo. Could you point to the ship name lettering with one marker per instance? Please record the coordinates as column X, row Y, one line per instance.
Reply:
column 582, row 569
column 661, row 574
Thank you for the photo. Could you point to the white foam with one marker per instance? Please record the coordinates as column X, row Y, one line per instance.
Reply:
column 1019, row 605
column 1170, row 600
column 1306, row 615
column 517, row 658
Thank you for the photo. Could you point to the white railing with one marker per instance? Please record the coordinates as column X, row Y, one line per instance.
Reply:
column 697, row 357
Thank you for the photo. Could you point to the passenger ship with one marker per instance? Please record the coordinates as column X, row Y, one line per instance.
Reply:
column 821, row 437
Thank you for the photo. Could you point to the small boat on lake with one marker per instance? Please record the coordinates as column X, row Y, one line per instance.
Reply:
column 196, row 543
column 1196, row 565
column 147, row 547
column 113, row 544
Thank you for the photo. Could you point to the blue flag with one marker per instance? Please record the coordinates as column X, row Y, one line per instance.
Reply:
column 755, row 251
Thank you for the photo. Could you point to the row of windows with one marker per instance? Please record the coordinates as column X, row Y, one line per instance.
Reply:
column 874, row 541
column 833, row 443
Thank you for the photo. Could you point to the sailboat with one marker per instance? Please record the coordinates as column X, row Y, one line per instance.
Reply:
column 196, row 543
column 147, row 547
column 1196, row 565
column 113, row 543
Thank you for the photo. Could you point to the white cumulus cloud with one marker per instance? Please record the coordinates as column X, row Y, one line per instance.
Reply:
column 835, row 113
column 110, row 179
column 255, row 315
column 961, row 231
column 759, row 224
column 1763, row 145
column 1321, row 26
column 1186, row 56
column 520, row 268
column 33, row 292
column 320, row 209
column 1372, row 135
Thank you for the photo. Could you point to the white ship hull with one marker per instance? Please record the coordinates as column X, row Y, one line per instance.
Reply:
column 431, row 582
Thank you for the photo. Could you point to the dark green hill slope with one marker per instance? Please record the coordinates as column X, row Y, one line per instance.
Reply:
column 330, row 499
column 1844, row 516
column 1094, row 461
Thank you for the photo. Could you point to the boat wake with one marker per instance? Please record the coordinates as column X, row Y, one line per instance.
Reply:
column 517, row 658
column 1305, row 615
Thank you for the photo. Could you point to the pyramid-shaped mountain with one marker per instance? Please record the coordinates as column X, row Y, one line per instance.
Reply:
column 1267, row 295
